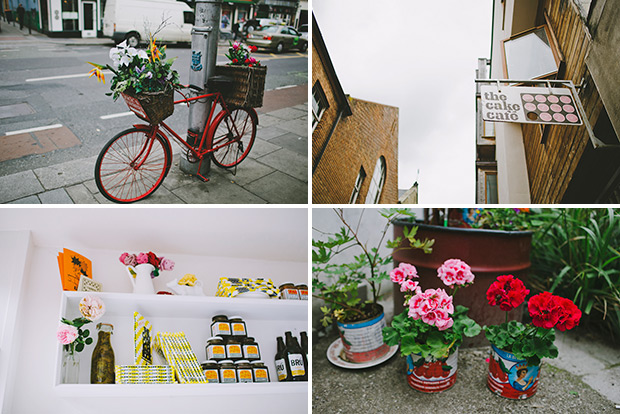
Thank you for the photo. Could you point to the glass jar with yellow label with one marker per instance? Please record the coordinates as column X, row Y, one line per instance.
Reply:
column 251, row 352
column 261, row 373
column 216, row 348
column 220, row 326
column 212, row 371
column 237, row 327
column 228, row 372
column 244, row 371
column 233, row 349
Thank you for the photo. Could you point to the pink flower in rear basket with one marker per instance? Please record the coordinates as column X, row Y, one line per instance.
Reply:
column 66, row 334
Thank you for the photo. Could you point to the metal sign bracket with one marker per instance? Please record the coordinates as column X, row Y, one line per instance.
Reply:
column 597, row 143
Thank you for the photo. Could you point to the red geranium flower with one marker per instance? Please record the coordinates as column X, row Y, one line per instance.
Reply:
column 253, row 48
column 544, row 309
column 507, row 291
column 569, row 314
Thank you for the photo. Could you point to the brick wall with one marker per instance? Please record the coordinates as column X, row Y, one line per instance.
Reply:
column 358, row 141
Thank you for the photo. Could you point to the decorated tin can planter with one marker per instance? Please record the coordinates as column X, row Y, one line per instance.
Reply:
column 511, row 377
column 432, row 376
column 363, row 340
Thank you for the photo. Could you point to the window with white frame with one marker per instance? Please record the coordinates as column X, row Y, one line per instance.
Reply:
column 376, row 184
column 531, row 54
column 319, row 104
column 361, row 176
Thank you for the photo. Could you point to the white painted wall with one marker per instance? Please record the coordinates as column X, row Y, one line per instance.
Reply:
column 512, row 178
column 233, row 242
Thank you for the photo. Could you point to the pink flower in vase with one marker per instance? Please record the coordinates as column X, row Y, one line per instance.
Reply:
column 92, row 307
column 142, row 258
column 128, row 259
column 166, row 264
column 66, row 334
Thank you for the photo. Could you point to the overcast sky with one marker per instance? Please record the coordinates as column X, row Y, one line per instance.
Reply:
column 421, row 57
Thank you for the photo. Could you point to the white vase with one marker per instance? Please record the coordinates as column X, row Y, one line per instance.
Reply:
column 140, row 277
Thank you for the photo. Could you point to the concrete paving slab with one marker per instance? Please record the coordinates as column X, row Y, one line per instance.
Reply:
column 57, row 196
column 261, row 148
column 66, row 173
column 288, row 113
column 279, row 188
column 27, row 200
column 247, row 172
column 297, row 126
column 19, row 185
column 268, row 133
column 267, row 120
column 216, row 194
column 606, row 382
column 293, row 142
column 288, row 162
column 80, row 194
column 10, row 111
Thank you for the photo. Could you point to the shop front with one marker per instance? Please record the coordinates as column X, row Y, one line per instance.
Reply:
column 72, row 18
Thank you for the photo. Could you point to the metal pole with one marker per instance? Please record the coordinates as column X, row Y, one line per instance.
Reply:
column 205, row 36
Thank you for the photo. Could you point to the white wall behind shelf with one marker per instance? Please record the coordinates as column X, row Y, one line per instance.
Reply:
column 234, row 242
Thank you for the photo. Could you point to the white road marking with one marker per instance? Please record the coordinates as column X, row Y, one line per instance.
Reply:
column 77, row 75
column 120, row 114
column 25, row 131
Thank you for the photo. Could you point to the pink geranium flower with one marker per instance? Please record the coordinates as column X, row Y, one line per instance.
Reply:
column 455, row 272
column 397, row 275
column 433, row 306
column 66, row 334
column 408, row 285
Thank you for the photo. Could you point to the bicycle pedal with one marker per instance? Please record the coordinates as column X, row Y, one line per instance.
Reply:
column 204, row 179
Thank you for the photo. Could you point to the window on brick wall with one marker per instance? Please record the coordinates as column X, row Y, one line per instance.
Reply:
column 358, row 186
column 376, row 185
column 319, row 104
column 531, row 54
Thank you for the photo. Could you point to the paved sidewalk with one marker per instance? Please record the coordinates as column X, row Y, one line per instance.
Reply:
column 584, row 379
column 276, row 171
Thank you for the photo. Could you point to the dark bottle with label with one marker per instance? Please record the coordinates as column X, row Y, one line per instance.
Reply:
column 102, row 362
column 304, row 342
column 280, row 360
column 295, row 359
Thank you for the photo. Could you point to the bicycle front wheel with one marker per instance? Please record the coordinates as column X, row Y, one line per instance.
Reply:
column 132, row 166
column 233, row 137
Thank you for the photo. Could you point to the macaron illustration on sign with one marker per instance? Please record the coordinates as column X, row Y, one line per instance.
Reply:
column 529, row 105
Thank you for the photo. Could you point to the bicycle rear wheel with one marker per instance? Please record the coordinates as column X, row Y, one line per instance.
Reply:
column 131, row 166
column 233, row 137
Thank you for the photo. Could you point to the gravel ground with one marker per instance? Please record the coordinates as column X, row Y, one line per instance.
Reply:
column 384, row 389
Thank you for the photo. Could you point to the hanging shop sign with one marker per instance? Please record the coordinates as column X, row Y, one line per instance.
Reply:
column 529, row 105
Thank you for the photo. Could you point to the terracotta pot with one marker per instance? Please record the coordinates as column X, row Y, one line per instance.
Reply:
column 431, row 376
column 511, row 377
column 490, row 253
column 363, row 340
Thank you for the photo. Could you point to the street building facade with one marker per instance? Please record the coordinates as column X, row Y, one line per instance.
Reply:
column 568, row 40
column 354, row 142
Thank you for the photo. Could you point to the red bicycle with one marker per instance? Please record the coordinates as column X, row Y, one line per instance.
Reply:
column 133, row 164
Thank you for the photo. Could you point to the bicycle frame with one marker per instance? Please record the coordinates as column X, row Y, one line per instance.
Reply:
column 196, row 150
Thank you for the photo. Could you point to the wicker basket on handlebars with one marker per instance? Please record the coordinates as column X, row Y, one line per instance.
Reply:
column 248, row 85
column 151, row 106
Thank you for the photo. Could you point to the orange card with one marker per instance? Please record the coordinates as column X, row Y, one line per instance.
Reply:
column 72, row 266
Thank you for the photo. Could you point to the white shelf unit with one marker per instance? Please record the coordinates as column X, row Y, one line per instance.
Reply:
column 265, row 320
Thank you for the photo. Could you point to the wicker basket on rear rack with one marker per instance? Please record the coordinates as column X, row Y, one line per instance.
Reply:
column 153, row 107
column 248, row 85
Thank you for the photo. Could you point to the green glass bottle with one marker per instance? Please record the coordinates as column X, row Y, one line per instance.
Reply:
column 102, row 365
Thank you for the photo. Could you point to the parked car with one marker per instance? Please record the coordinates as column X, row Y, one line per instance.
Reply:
column 303, row 29
column 277, row 38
